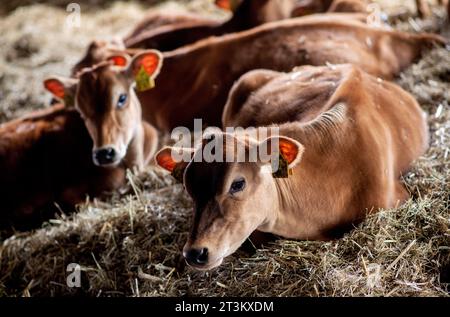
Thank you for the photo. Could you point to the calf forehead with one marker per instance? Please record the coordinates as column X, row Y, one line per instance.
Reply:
column 204, row 180
column 96, row 89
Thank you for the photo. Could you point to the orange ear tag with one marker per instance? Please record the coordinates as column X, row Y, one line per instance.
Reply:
column 143, row 80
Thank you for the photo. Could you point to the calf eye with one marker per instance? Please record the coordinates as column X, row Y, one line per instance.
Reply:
column 237, row 186
column 122, row 100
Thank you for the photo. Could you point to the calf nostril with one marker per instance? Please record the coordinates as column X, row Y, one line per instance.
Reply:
column 203, row 256
column 197, row 256
column 105, row 155
column 110, row 153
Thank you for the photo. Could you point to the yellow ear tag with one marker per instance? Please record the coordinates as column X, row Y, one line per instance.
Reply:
column 283, row 168
column 143, row 80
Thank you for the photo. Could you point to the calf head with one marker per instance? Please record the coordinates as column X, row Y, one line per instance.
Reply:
column 106, row 101
column 97, row 51
column 231, row 198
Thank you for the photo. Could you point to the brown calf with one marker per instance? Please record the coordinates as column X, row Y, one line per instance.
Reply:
column 347, row 136
column 45, row 159
column 104, row 96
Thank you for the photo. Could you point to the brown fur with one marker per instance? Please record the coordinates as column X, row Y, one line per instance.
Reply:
column 45, row 158
column 156, row 20
column 122, row 129
column 381, row 123
column 355, row 137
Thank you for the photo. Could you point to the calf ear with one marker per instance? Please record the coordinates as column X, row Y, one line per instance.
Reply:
column 144, row 68
column 285, row 154
column 62, row 88
column 174, row 160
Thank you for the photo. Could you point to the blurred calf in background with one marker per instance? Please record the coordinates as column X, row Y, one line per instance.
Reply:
column 166, row 32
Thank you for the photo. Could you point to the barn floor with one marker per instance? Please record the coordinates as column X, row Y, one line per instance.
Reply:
column 129, row 243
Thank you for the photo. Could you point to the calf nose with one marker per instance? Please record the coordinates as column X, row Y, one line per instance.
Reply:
column 105, row 156
column 197, row 256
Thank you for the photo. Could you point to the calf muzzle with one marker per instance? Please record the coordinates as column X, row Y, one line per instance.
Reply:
column 105, row 156
column 196, row 257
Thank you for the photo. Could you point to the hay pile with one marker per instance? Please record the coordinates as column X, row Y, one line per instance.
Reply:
column 130, row 243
